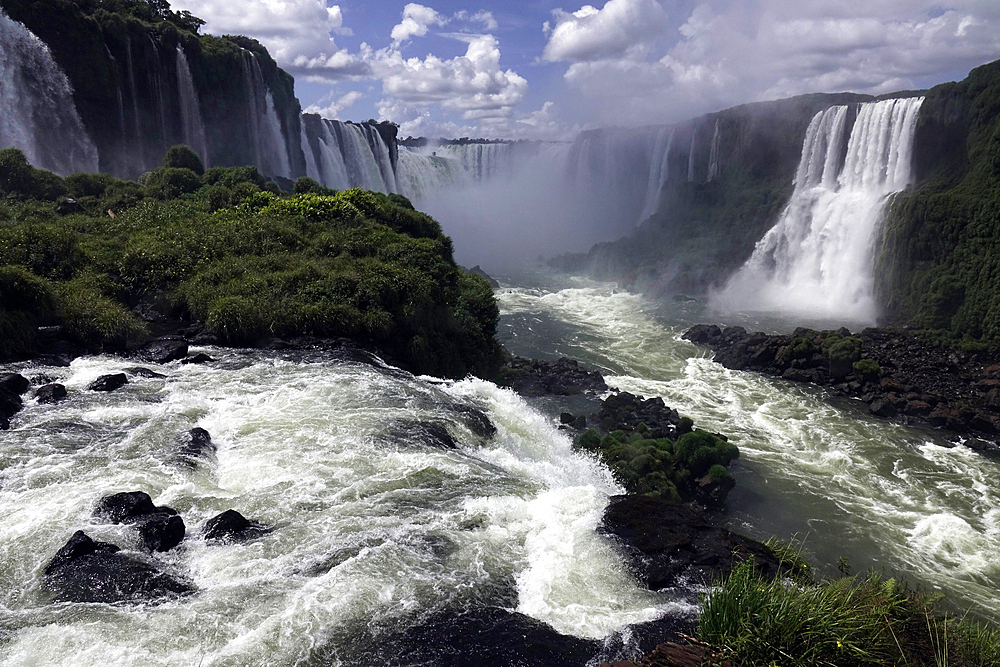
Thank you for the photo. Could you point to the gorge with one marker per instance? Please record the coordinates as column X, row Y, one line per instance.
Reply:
column 412, row 510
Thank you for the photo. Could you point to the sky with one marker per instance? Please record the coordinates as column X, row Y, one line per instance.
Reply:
column 547, row 70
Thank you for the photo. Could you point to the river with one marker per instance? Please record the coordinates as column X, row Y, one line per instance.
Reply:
column 378, row 529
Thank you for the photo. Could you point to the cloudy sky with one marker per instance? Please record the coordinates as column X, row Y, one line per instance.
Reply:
column 540, row 69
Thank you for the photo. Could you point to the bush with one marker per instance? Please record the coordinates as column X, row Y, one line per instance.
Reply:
column 20, row 179
column 170, row 182
column 26, row 302
column 93, row 319
column 182, row 157
column 868, row 368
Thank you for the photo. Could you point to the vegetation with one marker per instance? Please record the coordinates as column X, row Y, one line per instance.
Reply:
column 251, row 263
column 661, row 467
column 853, row 621
column 940, row 257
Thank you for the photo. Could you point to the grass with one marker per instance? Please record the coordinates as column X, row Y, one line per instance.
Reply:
column 855, row 621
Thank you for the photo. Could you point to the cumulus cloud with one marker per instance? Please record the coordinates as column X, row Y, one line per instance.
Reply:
column 473, row 83
column 417, row 20
column 334, row 105
column 594, row 34
column 724, row 53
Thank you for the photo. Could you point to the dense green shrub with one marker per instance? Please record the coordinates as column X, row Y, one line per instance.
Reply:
column 26, row 301
column 170, row 182
column 182, row 157
column 20, row 179
column 91, row 318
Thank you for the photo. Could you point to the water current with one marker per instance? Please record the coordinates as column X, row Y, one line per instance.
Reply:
column 378, row 529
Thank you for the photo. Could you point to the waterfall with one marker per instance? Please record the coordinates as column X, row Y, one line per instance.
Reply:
column 380, row 152
column 37, row 112
column 690, row 174
column 817, row 260
column 269, row 146
column 312, row 168
column 659, row 172
column 713, row 160
column 421, row 174
column 194, row 128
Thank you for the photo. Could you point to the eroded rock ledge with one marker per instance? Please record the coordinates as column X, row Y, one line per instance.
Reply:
column 893, row 371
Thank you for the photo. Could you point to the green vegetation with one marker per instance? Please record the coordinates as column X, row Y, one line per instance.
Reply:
column 661, row 467
column 251, row 263
column 848, row 622
column 940, row 258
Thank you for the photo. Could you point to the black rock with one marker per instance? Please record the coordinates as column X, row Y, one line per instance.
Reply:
column 196, row 444
column 665, row 541
column 563, row 377
column 51, row 360
column 200, row 358
column 68, row 205
column 231, row 526
column 87, row 571
column 108, row 382
column 433, row 434
column 128, row 506
column 475, row 419
column 160, row 532
column 50, row 393
column 478, row 271
column 142, row 372
column 14, row 383
column 163, row 351
column 10, row 405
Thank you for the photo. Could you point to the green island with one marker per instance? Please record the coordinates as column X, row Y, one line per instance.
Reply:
column 225, row 246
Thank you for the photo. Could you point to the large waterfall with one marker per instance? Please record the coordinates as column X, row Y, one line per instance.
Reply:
column 37, row 113
column 817, row 260
column 194, row 127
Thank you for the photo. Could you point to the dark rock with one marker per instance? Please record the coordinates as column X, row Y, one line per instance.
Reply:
column 475, row 419
column 142, row 372
column 433, row 434
column 87, row 571
column 50, row 393
column 128, row 506
column 196, row 445
column 200, row 358
column 882, row 407
column 703, row 334
column 53, row 360
column 108, row 382
column 665, row 541
column 625, row 411
column 564, row 377
column 10, row 405
column 231, row 526
column 163, row 351
column 160, row 532
column 15, row 383
column 478, row 271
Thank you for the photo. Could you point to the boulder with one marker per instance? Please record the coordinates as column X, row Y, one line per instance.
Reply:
column 140, row 371
column 196, row 445
column 10, row 405
column 108, row 382
column 50, row 393
column 231, row 526
column 160, row 532
column 412, row 431
column 665, row 541
column 563, row 377
column 200, row 358
column 128, row 506
column 163, row 351
column 475, row 420
column 14, row 383
column 87, row 571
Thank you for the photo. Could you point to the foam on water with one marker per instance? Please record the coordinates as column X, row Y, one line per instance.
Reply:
column 373, row 528
column 879, row 493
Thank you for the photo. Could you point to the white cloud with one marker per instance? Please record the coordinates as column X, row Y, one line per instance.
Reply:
column 472, row 83
column 482, row 17
column 594, row 34
column 417, row 20
column 334, row 106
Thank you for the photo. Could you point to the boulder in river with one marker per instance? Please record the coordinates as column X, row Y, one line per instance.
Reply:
column 108, row 382
column 50, row 393
column 84, row 570
column 231, row 526
column 163, row 351
column 196, row 445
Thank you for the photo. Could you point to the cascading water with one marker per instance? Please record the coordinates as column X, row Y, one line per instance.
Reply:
column 267, row 138
column 659, row 172
column 194, row 128
column 817, row 260
column 37, row 112
column 713, row 158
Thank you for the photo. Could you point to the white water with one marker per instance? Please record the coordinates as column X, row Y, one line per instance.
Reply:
column 659, row 172
column 266, row 136
column 373, row 529
column 194, row 128
column 883, row 495
column 817, row 261
column 37, row 113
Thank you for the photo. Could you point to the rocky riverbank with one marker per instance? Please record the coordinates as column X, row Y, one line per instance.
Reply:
column 895, row 372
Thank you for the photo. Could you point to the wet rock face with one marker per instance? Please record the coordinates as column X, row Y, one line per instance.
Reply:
column 50, row 393
column 158, row 527
column 84, row 570
column 195, row 445
column 895, row 373
column 108, row 382
column 666, row 542
column 163, row 351
column 231, row 526
column 565, row 377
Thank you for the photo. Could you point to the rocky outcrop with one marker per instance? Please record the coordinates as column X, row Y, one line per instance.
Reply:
column 668, row 543
column 84, row 570
column 564, row 377
column 893, row 371
column 158, row 528
column 12, row 385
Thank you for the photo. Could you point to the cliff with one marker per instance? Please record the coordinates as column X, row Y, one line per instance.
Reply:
column 939, row 258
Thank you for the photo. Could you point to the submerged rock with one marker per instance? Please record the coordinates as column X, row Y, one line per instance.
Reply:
column 231, row 526
column 50, row 393
column 564, row 377
column 84, row 570
column 108, row 382
column 142, row 372
column 196, row 445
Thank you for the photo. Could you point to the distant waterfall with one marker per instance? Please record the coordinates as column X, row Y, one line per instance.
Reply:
column 817, row 260
column 194, row 128
column 713, row 158
column 659, row 172
column 424, row 171
column 37, row 113
column 269, row 144
column 342, row 155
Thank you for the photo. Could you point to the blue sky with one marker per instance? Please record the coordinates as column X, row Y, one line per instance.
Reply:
column 544, row 70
